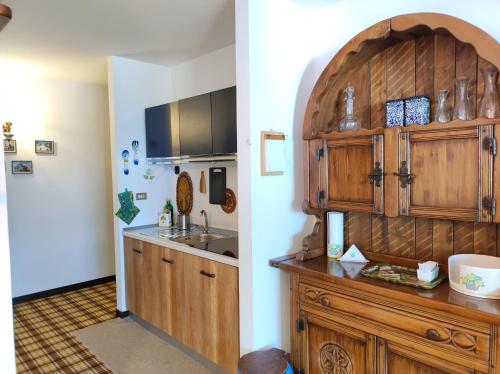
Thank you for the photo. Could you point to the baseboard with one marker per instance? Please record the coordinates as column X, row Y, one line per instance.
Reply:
column 120, row 314
column 59, row 290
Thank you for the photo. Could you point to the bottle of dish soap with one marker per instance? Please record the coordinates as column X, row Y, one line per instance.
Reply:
column 170, row 209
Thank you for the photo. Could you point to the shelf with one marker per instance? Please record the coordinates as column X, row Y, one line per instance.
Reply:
column 456, row 124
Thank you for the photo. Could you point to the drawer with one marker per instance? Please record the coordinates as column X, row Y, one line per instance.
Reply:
column 433, row 335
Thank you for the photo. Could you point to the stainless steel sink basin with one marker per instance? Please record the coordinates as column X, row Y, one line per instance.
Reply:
column 207, row 237
column 200, row 238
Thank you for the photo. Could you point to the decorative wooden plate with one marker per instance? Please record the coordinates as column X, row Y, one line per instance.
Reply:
column 184, row 193
column 230, row 204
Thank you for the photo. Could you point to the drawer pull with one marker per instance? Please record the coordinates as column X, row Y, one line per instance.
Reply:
column 433, row 335
column 324, row 301
column 210, row 275
column 135, row 250
column 171, row 262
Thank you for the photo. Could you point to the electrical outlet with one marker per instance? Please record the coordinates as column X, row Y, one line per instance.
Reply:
column 141, row 196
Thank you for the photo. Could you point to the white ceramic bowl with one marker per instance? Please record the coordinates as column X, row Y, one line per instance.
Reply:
column 475, row 275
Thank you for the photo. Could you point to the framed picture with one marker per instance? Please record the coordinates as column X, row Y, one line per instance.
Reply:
column 9, row 146
column 22, row 167
column 44, row 147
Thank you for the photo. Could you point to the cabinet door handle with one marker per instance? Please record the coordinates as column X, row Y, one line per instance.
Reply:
column 404, row 177
column 377, row 175
column 210, row 275
column 135, row 250
column 171, row 262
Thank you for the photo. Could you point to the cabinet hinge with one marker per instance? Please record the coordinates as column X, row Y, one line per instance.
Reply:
column 491, row 144
column 300, row 325
column 320, row 152
column 320, row 195
column 490, row 204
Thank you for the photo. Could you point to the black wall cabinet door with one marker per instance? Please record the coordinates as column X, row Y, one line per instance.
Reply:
column 195, row 125
column 224, row 121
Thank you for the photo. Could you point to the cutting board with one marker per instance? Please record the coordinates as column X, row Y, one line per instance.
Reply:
column 217, row 184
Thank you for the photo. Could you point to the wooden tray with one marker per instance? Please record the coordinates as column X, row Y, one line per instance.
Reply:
column 408, row 276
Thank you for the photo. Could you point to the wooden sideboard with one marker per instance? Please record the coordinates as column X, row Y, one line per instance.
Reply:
column 410, row 194
column 343, row 322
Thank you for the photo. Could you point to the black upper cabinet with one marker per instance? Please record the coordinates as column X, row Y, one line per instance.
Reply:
column 195, row 125
column 224, row 121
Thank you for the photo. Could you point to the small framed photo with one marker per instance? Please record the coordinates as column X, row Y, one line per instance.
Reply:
column 22, row 167
column 44, row 147
column 9, row 146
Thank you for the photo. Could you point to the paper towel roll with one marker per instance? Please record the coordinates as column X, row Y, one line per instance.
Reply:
column 335, row 246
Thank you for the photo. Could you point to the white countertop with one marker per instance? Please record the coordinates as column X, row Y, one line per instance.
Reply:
column 151, row 235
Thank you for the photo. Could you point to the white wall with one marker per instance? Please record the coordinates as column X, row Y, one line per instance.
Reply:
column 134, row 86
column 281, row 48
column 7, row 356
column 60, row 216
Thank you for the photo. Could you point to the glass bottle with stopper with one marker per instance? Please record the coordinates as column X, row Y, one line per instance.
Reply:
column 350, row 121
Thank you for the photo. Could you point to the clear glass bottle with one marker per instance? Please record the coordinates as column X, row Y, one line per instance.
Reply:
column 462, row 108
column 442, row 114
column 488, row 106
column 350, row 121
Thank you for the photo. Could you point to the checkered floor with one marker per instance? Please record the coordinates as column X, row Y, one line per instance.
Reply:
column 44, row 343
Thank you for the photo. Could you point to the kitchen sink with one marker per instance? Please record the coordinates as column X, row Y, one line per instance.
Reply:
column 199, row 238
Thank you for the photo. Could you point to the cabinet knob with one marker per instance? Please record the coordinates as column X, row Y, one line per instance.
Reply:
column 324, row 301
column 432, row 334
column 168, row 261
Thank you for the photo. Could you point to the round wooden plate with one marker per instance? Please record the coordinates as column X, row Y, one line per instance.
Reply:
column 184, row 195
column 230, row 204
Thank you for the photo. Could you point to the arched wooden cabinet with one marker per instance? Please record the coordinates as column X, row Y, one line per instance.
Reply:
column 410, row 194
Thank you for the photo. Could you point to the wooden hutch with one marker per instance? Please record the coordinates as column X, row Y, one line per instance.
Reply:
column 432, row 193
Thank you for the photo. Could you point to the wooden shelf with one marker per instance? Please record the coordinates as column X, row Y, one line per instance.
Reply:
column 456, row 124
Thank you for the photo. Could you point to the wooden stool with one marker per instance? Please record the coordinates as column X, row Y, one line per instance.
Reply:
column 272, row 361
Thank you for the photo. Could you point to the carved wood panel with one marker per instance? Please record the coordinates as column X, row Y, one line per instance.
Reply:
column 335, row 349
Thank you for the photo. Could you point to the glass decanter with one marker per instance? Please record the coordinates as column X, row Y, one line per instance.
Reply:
column 488, row 106
column 462, row 109
column 350, row 121
column 442, row 109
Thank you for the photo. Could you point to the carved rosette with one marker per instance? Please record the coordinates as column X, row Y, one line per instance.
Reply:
column 335, row 360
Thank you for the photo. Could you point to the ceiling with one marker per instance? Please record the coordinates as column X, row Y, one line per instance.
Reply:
column 74, row 37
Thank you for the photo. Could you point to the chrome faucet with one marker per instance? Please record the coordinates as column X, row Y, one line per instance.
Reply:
column 204, row 229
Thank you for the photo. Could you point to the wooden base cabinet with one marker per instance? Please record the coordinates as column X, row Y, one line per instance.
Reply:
column 192, row 299
column 354, row 325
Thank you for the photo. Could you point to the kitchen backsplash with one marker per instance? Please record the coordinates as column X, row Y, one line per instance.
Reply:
column 216, row 216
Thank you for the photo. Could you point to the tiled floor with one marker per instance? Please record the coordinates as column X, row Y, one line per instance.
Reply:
column 44, row 343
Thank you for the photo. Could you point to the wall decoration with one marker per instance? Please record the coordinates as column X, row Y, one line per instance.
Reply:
column 148, row 175
column 9, row 146
column 184, row 193
column 22, row 167
column 44, row 147
column 135, row 147
column 230, row 205
column 128, row 211
column 203, row 183
column 272, row 153
column 125, row 155
column 7, row 128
